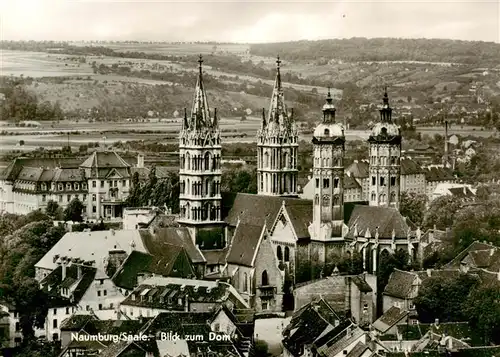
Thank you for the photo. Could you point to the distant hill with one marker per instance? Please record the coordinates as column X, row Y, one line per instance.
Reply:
column 384, row 49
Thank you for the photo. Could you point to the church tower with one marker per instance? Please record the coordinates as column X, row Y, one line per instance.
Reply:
column 385, row 153
column 328, row 175
column 277, row 147
column 327, row 230
column 200, row 163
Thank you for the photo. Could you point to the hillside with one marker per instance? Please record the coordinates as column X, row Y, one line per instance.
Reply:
column 384, row 49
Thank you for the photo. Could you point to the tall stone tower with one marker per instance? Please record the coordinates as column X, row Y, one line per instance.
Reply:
column 327, row 230
column 200, row 164
column 385, row 153
column 277, row 147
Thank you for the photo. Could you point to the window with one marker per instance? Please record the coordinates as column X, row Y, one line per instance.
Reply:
column 54, row 323
column 111, row 305
column 94, row 198
column 100, row 306
column 94, row 209
column 264, row 306
column 279, row 253
column 264, row 278
column 77, row 186
column 98, row 292
column 94, row 184
column 326, row 183
column 69, row 198
column 67, row 311
column 124, row 183
column 336, row 182
column 101, row 281
column 55, row 311
column 393, row 181
column 217, row 327
column 365, row 307
column 106, row 293
column 287, row 254
column 102, row 184
column 317, row 183
column 44, row 198
column 60, row 187
column 55, row 337
column 245, row 282
column 382, row 181
column 87, row 307
column 60, row 198
column 374, row 180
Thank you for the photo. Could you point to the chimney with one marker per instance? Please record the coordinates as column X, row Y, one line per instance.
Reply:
column 436, row 322
column 63, row 266
column 79, row 271
column 140, row 161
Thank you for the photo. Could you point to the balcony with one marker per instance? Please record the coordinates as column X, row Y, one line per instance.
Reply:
column 267, row 291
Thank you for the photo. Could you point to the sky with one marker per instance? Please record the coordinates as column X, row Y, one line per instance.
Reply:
column 247, row 21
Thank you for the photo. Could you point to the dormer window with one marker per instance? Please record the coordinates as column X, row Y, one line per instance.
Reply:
column 60, row 187
column 68, row 186
column 133, row 297
column 327, row 132
column 44, row 187
column 77, row 186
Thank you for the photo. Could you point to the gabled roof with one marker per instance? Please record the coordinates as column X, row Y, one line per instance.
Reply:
column 160, row 242
column 358, row 350
column 359, row 169
column 400, row 284
column 175, row 263
column 104, row 159
column 350, row 182
column 244, row 244
column 53, row 283
column 390, row 318
column 438, row 174
column 461, row 192
column 410, row 167
column 341, row 341
column 92, row 246
column 474, row 246
column 69, row 174
column 300, row 213
column 384, row 219
column 308, row 324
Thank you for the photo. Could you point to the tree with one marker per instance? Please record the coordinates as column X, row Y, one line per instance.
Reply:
column 483, row 310
column 413, row 206
column 444, row 298
column 52, row 208
column 74, row 211
column 441, row 212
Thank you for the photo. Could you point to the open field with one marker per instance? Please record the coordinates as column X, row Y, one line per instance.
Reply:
column 173, row 49
column 39, row 64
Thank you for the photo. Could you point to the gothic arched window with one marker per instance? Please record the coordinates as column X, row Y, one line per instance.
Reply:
column 374, row 196
column 336, row 200
column 245, row 282
column 279, row 253
column 316, row 200
column 287, row 254
column 207, row 161
column 264, row 279
column 266, row 159
column 326, row 200
column 393, row 197
column 188, row 161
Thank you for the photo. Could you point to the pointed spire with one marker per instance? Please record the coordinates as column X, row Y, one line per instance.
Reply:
column 277, row 109
column 200, row 113
column 185, row 123
column 329, row 109
column 386, row 111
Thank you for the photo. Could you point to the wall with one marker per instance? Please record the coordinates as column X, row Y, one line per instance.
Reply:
column 105, row 296
column 57, row 314
column 224, row 323
column 266, row 260
column 390, row 301
column 332, row 289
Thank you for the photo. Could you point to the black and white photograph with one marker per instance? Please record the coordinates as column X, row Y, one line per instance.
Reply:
column 249, row 178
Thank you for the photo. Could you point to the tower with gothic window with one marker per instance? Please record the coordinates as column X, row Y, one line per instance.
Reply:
column 328, row 176
column 327, row 230
column 277, row 147
column 385, row 153
column 200, row 163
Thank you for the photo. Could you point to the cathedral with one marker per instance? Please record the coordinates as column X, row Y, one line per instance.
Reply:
column 274, row 237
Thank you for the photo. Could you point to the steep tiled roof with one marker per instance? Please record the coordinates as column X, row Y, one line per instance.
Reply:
column 176, row 263
column 350, row 182
column 361, row 284
column 438, row 174
column 53, row 283
column 387, row 220
column 254, row 209
column 410, row 167
column 30, row 174
column 390, row 318
column 244, row 244
column 474, row 246
column 160, row 242
column 308, row 324
column 104, row 159
column 66, row 175
column 359, row 169
column 400, row 284
column 341, row 341
column 300, row 213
